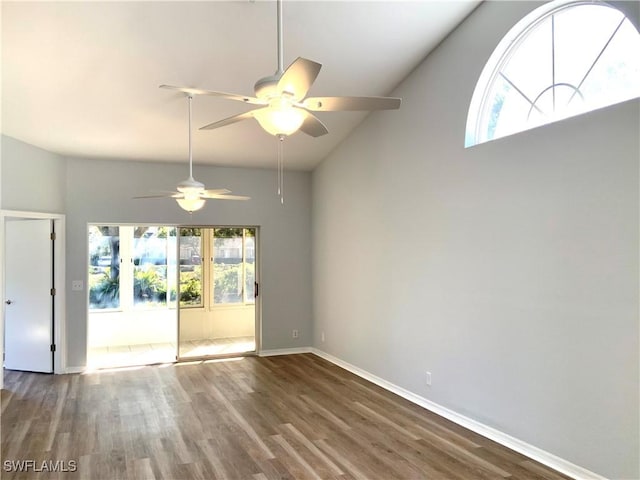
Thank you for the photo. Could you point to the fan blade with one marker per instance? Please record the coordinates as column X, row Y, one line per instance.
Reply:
column 230, row 96
column 226, row 197
column 166, row 195
column 313, row 126
column 228, row 121
column 219, row 191
column 298, row 77
column 331, row 104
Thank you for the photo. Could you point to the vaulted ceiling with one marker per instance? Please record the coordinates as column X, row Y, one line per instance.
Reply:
column 81, row 78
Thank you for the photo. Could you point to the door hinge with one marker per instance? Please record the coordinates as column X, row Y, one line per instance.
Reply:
column 53, row 291
column 53, row 235
column 257, row 287
column 53, row 347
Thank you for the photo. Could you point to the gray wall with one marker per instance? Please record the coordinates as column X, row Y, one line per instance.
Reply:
column 508, row 270
column 32, row 179
column 101, row 191
column 95, row 191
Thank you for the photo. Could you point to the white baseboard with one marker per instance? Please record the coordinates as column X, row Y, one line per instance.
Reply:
column 535, row 453
column 284, row 351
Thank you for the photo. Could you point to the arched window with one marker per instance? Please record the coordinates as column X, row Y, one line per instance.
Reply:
column 564, row 59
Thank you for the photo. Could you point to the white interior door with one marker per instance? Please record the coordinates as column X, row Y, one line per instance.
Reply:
column 28, row 282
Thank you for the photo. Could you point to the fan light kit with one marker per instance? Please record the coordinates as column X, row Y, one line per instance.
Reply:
column 191, row 194
column 283, row 107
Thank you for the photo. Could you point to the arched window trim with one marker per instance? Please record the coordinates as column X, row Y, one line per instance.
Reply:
column 503, row 53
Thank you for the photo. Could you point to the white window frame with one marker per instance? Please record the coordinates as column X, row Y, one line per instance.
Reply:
column 125, row 233
column 210, row 292
column 474, row 134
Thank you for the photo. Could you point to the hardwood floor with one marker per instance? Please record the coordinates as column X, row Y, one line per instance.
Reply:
column 294, row 416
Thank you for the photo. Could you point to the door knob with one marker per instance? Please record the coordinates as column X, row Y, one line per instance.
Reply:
column 8, row 302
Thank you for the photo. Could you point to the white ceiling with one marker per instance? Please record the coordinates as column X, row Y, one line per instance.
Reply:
column 81, row 78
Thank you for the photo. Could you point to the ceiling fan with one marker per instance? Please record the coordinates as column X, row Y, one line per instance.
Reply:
column 282, row 105
column 281, row 98
column 191, row 194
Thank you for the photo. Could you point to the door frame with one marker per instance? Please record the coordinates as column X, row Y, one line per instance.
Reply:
column 258, row 299
column 59, row 308
column 129, row 249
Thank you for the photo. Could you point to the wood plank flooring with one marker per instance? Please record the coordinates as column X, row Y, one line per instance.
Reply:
column 288, row 417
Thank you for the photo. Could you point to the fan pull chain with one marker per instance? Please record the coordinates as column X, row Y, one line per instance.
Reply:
column 190, row 141
column 281, row 168
column 279, row 150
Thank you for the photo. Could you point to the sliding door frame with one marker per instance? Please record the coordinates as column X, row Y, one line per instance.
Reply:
column 258, row 299
column 124, row 307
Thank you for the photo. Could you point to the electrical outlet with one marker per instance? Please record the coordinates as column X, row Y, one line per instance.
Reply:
column 77, row 285
column 295, row 333
column 322, row 336
column 428, row 379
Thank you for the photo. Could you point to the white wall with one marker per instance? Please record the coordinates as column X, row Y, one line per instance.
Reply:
column 131, row 327
column 221, row 321
column 508, row 270
column 135, row 327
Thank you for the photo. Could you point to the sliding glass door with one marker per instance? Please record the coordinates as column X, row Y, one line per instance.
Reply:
column 132, row 280
column 217, row 294
column 158, row 293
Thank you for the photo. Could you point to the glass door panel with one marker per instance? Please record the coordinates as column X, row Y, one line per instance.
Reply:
column 191, row 272
column 104, row 267
column 132, row 317
column 217, row 294
column 153, row 252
